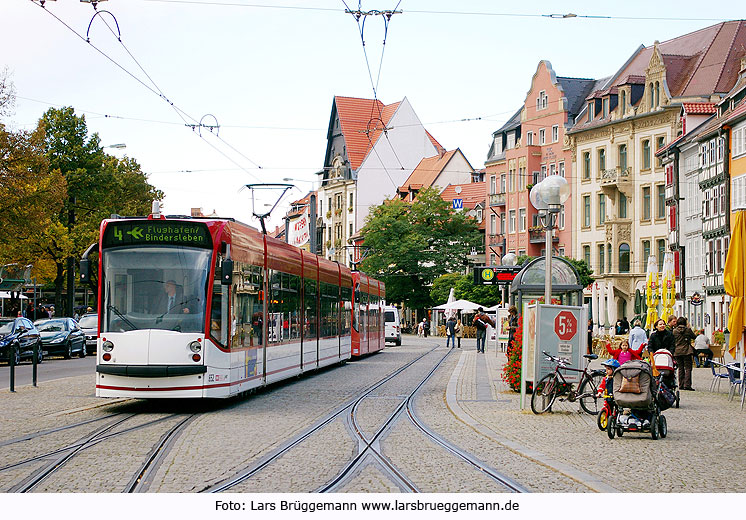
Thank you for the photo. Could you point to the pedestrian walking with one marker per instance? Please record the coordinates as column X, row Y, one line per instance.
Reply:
column 459, row 332
column 426, row 327
column 660, row 338
column 421, row 328
column 481, row 320
column 637, row 336
column 451, row 332
column 671, row 323
column 683, row 352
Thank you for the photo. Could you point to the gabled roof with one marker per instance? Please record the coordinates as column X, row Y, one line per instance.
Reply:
column 472, row 193
column 361, row 122
column 427, row 171
column 699, row 108
column 698, row 63
column 299, row 206
column 576, row 90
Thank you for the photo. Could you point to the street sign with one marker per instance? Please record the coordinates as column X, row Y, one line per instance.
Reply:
column 497, row 275
column 565, row 325
column 458, row 203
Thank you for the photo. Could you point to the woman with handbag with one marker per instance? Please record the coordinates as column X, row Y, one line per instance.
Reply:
column 683, row 352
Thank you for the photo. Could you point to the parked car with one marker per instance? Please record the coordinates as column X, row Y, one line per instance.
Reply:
column 21, row 333
column 61, row 336
column 89, row 324
column 392, row 325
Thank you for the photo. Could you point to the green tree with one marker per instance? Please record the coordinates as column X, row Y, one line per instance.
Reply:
column 97, row 185
column 464, row 289
column 584, row 271
column 411, row 244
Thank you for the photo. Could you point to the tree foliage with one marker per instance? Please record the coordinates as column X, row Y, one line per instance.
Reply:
column 464, row 289
column 57, row 184
column 412, row 244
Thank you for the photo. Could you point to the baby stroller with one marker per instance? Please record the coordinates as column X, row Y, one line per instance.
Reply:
column 635, row 389
column 666, row 367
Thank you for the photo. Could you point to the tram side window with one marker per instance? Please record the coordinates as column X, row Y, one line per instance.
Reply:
column 311, row 313
column 248, row 296
column 356, row 310
column 329, row 306
column 284, row 307
column 346, row 306
column 219, row 313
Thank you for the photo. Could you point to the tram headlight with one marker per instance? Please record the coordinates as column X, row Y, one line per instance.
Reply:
column 108, row 346
column 195, row 346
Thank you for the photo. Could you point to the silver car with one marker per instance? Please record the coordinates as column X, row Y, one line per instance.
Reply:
column 89, row 324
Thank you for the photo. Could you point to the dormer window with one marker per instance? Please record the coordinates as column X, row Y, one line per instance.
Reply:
column 590, row 111
column 498, row 147
column 623, row 102
column 511, row 141
column 606, row 107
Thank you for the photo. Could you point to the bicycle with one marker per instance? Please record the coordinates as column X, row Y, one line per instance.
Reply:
column 554, row 386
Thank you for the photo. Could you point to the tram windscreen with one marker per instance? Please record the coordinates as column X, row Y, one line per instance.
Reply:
column 156, row 287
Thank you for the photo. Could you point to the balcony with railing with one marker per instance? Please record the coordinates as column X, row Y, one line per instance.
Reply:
column 615, row 177
column 496, row 239
column 537, row 235
column 497, row 199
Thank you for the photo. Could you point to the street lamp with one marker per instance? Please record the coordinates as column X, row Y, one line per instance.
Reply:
column 548, row 197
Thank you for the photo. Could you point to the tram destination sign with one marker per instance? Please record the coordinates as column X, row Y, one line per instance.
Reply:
column 151, row 232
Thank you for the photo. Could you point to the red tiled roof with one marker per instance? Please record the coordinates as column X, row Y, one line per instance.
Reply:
column 472, row 193
column 362, row 122
column 436, row 144
column 700, row 108
column 427, row 171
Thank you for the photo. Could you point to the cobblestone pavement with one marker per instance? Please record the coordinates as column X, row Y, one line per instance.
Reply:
column 465, row 402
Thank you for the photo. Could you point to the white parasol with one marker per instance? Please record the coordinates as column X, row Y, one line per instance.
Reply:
column 594, row 307
column 611, row 306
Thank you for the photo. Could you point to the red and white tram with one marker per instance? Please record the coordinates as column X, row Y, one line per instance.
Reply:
column 213, row 308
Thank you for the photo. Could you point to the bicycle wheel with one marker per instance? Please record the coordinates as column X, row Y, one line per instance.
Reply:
column 603, row 419
column 544, row 394
column 589, row 403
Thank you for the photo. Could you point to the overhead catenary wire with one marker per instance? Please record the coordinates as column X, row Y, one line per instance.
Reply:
column 181, row 113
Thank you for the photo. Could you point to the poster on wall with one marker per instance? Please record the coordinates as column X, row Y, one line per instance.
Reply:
column 529, row 348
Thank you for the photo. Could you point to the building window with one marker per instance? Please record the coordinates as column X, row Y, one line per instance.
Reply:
column 586, row 211
column 622, row 102
column 645, row 252
column 608, row 255
column 529, row 138
column 493, row 259
column 601, row 208
column 351, row 199
column 606, row 107
column 351, row 231
column 661, row 209
column 590, row 111
column 502, row 223
column 493, row 224
column 561, row 217
column 511, row 221
column 660, row 142
column 542, row 101
column 511, row 141
column 586, row 165
column 587, row 255
column 543, row 172
column 646, row 154
column 497, row 146
column 552, row 169
column 622, row 157
column 511, row 179
column 542, row 136
column 562, row 169
column 624, row 258
column 622, row 205
column 646, row 203
column 522, row 219
column 601, row 259
column 555, row 133
column 502, row 183
column 601, row 161
column 493, row 184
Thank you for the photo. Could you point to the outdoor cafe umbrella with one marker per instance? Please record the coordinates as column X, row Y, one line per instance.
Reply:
column 594, row 306
column 611, row 306
column 451, row 298
column 601, row 308
column 733, row 278
column 668, row 286
column 651, row 292
column 460, row 305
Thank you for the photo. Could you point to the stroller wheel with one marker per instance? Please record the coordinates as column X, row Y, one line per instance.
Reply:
column 678, row 398
column 662, row 427
column 654, row 433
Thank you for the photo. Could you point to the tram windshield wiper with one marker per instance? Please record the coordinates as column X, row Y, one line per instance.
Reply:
column 121, row 316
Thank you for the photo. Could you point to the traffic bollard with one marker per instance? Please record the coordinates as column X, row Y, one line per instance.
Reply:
column 34, row 362
column 12, row 363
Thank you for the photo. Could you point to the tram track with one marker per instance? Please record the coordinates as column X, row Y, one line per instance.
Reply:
column 62, row 456
column 295, row 441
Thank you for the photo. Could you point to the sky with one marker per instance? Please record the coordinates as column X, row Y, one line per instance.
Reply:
column 265, row 74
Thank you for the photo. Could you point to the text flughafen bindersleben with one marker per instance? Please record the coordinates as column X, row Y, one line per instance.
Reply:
column 395, row 505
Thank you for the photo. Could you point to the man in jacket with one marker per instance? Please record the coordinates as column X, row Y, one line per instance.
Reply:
column 481, row 320
column 683, row 351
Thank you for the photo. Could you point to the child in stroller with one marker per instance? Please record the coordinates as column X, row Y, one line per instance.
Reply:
column 666, row 366
column 635, row 389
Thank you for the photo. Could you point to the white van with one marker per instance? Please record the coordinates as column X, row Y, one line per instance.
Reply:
column 393, row 325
